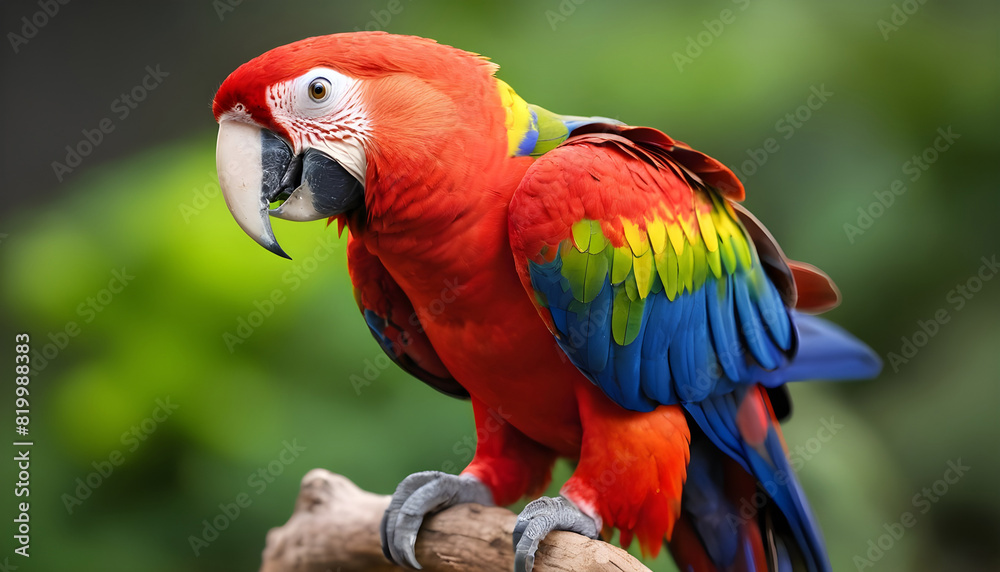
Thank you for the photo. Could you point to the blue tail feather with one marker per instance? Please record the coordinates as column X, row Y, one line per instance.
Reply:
column 716, row 417
column 826, row 351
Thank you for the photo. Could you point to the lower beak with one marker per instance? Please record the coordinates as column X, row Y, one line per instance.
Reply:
column 257, row 168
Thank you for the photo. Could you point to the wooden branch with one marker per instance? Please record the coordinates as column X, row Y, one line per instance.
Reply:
column 335, row 528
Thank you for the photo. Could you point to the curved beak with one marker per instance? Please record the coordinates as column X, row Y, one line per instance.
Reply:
column 257, row 168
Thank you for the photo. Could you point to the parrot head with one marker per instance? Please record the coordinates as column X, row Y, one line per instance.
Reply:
column 329, row 125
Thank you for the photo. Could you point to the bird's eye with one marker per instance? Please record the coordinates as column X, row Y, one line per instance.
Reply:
column 319, row 89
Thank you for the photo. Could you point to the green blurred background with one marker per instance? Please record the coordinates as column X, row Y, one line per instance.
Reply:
column 145, row 203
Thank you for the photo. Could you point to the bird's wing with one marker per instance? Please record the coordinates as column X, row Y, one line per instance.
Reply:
column 630, row 245
column 394, row 323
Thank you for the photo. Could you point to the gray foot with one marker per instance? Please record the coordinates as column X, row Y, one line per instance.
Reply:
column 417, row 496
column 541, row 517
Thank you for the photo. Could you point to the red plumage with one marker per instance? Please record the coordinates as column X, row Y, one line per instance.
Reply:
column 439, row 254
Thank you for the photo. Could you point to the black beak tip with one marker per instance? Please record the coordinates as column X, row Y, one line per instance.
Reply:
column 276, row 249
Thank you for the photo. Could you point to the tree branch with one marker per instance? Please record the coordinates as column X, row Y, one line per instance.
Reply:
column 335, row 528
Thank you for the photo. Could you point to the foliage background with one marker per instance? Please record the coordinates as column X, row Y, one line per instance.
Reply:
column 146, row 200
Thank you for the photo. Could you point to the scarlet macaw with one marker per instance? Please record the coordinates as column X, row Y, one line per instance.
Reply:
column 617, row 306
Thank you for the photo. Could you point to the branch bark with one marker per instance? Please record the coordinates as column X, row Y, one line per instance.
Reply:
column 335, row 528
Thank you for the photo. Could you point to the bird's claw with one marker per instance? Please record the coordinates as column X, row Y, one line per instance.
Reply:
column 417, row 496
column 541, row 517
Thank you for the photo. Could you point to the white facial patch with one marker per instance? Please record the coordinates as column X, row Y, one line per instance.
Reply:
column 335, row 123
column 238, row 113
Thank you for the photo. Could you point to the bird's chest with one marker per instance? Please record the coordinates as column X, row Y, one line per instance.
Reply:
column 490, row 337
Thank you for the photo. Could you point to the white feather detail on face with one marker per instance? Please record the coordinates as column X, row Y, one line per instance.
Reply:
column 237, row 113
column 336, row 124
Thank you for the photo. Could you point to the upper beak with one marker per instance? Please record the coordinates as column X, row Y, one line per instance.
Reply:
column 256, row 168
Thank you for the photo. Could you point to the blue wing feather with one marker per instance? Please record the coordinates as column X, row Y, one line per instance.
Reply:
column 658, row 327
column 597, row 338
